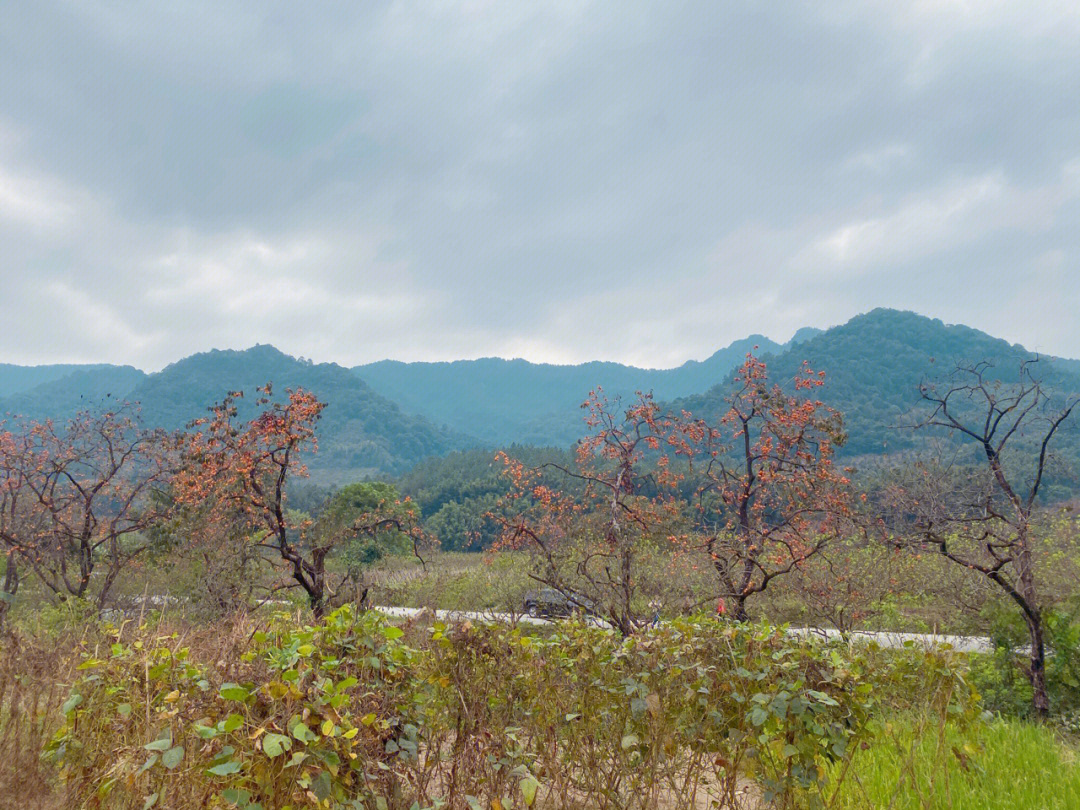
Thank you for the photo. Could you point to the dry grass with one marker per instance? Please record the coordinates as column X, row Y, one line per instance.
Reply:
column 34, row 681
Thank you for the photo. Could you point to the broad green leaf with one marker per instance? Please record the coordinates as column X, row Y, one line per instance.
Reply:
column 173, row 757
column 233, row 691
column 301, row 732
column 225, row 768
column 160, row 744
column 275, row 744
column 529, row 786
column 236, row 797
column 321, row 786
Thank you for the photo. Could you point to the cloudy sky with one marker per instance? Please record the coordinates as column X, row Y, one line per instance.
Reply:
column 561, row 181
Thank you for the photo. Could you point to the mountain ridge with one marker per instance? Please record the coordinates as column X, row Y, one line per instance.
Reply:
column 503, row 401
column 874, row 364
column 360, row 432
column 383, row 417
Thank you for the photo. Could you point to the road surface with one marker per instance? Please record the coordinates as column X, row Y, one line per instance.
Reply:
column 967, row 644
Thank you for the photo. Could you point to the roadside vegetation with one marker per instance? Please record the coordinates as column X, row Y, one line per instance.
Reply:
column 187, row 622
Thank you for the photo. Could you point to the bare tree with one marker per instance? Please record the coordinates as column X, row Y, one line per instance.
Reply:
column 14, row 515
column 78, row 499
column 984, row 520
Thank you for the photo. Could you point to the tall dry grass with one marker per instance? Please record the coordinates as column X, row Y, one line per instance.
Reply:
column 35, row 680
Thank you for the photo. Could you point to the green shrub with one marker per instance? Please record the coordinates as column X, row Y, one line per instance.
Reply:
column 358, row 713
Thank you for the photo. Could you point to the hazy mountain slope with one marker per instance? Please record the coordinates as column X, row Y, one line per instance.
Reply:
column 504, row 401
column 360, row 431
column 874, row 364
column 83, row 389
column 17, row 379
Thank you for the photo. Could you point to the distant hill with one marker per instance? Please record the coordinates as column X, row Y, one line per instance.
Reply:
column 16, row 379
column 360, row 432
column 874, row 364
column 382, row 418
column 504, row 401
column 84, row 388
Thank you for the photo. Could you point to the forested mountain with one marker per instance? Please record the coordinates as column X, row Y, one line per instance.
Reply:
column 360, row 431
column 503, row 401
column 17, row 379
column 80, row 389
column 874, row 364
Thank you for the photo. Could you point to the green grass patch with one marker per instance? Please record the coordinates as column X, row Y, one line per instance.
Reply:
column 1006, row 764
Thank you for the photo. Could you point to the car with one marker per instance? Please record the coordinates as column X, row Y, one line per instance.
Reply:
column 553, row 603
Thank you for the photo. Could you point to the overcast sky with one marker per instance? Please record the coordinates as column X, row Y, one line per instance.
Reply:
column 561, row 181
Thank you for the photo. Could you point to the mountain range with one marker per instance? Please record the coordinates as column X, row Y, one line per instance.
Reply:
column 383, row 417
column 873, row 367
column 361, row 432
column 505, row 401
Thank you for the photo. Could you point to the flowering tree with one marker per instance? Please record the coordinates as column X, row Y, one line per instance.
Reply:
column 590, row 525
column 771, row 496
column 75, row 502
column 241, row 472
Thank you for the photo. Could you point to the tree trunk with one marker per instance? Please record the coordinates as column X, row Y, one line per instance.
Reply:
column 318, row 596
column 740, row 614
column 10, row 587
column 1040, row 700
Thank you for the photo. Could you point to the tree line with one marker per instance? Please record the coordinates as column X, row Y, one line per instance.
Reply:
column 756, row 495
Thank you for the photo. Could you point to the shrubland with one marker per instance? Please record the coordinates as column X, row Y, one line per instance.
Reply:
column 356, row 712
column 190, row 627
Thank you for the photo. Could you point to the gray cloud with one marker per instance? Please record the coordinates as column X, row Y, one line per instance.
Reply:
column 633, row 181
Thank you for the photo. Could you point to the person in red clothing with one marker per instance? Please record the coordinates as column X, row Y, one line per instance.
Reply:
column 721, row 609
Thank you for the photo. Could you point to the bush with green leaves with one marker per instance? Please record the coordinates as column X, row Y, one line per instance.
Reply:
column 357, row 713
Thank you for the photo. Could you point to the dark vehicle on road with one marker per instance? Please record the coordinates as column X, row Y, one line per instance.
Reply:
column 552, row 603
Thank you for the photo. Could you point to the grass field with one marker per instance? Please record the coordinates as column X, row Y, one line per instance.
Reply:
column 1002, row 765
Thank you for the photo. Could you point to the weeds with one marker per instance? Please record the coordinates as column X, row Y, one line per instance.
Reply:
column 357, row 713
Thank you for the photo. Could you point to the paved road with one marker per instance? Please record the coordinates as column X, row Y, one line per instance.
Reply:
column 968, row 644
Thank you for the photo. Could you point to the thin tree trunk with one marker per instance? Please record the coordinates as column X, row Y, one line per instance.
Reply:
column 740, row 614
column 1040, row 699
column 10, row 588
column 317, row 595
